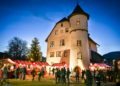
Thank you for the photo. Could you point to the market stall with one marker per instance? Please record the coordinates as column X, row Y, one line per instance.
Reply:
column 98, row 66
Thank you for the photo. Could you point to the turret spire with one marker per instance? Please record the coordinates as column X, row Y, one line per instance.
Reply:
column 77, row 2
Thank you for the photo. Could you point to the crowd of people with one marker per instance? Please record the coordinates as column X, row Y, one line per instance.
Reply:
column 62, row 75
column 19, row 73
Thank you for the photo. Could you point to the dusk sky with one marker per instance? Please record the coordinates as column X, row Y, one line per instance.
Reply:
column 27, row 19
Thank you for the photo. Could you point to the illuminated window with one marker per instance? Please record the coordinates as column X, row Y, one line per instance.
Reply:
column 62, row 42
column 58, row 54
column 79, row 56
column 66, row 30
column 79, row 43
column 65, row 54
column 56, row 32
column 61, row 31
column 52, row 44
column 61, row 24
column 51, row 54
column 89, row 45
column 78, row 21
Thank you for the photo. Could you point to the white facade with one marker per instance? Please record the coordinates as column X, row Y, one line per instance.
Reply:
column 76, row 32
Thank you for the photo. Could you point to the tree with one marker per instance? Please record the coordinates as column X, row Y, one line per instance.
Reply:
column 17, row 48
column 115, row 69
column 34, row 54
column 115, row 66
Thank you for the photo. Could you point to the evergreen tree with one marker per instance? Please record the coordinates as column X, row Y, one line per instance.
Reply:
column 115, row 69
column 34, row 53
column 115, row 66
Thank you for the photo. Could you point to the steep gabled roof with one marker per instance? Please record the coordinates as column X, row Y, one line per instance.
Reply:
column 92, row 41
column 78, row 10
column 62, row 20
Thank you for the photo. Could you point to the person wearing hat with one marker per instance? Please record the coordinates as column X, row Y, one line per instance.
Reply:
column 97, row 76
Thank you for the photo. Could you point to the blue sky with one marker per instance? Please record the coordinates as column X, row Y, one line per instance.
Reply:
column 27, row 19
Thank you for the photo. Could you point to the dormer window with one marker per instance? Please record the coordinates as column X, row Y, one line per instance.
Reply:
column 78, row 21
column 56, row 32
column 66, row 30
column 61, row 24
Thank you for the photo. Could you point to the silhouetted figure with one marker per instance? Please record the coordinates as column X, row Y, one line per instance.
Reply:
column 88, row 77
column 97, row 76
column 77, row 75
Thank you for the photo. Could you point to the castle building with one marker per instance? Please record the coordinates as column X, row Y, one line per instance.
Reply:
column 69, row 41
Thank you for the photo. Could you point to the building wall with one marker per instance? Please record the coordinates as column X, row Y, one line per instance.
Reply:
column 93, row 46
column 71, row 37
column 82, row 35
column 57, row 47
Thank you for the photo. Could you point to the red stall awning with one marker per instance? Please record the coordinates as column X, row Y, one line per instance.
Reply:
column 59, row 64
column 101, row 64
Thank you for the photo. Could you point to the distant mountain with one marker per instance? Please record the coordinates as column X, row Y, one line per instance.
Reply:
column 112, row 55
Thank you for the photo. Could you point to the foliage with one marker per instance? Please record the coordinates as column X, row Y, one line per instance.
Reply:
column 34, row 54
column 115, row 66
column 115, row 69
column 17, row 48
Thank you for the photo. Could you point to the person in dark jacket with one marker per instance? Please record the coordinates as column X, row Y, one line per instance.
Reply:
column 43, row 72
column 16, row 74
column 63, row 75
column 5, row 74
column 68, row 73
column 88, row 77
column 39, row 75
column 56, row 75
column 83, row 72
column 23, row 71
column 108, row 73
column 18, row 70
column 33, row 73
column 53, row 71
column 97, row 76
column 77, row 75
column 104, row 76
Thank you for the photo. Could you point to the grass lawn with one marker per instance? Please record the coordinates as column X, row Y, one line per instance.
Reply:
column 14, row 82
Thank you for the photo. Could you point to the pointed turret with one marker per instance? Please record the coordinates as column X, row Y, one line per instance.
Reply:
column 78, row 10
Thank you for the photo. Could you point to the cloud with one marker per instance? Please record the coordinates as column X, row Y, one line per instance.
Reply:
column 42, row 15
